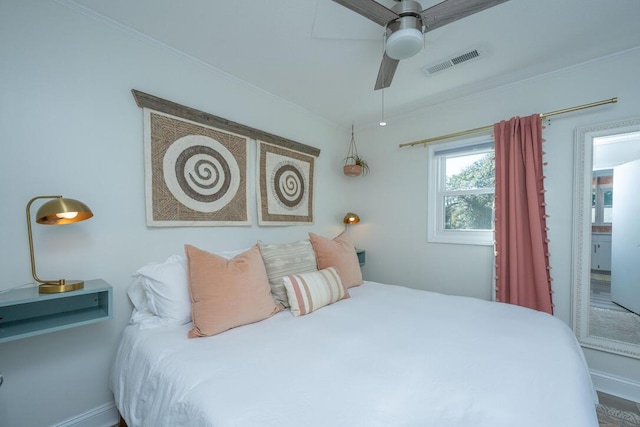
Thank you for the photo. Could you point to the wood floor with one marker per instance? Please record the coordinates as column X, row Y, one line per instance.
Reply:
column 601, row 292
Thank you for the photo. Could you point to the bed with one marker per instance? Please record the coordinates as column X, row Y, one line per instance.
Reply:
column 385, row 356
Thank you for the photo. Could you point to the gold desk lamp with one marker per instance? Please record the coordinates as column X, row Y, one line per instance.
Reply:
column 350, row 219
column 58, row 211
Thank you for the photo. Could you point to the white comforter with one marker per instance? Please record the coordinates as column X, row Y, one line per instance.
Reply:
column 388, row 356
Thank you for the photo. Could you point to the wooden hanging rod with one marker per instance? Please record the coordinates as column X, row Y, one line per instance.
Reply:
column 144, row 100
column 490, row 127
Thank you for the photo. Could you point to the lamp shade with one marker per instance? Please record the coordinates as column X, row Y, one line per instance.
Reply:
column 60, row 211
column 351, row 218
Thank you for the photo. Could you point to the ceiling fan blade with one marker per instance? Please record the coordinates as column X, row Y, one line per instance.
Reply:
column 370, row 9
column 387, row 70
column 451, row 10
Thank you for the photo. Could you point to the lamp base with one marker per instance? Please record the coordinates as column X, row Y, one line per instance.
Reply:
column 61, row 286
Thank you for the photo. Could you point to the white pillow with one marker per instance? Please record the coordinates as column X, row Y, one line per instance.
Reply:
column 166, row 288
column 162, row 289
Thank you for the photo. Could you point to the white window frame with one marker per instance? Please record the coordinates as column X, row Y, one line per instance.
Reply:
column 600, row 190
column 436, row 233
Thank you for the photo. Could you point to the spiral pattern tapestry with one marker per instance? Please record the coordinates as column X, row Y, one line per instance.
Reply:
column 195, row 175
column 285, row 186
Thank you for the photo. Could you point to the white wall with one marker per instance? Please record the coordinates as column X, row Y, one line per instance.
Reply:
column 69, row 125
column 392, row 201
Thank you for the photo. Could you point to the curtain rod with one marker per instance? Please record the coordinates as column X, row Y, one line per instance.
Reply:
column 490, row 127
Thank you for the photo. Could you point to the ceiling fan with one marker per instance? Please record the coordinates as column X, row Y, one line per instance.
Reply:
column 406, row 24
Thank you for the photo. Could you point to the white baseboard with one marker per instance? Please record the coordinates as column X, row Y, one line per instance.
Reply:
column 616, row 386
column 103, row 416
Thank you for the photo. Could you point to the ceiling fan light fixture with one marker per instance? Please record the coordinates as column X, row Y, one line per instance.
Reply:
column 407, row 40
column 405, row 24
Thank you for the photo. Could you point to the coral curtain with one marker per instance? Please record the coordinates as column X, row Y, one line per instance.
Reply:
column 522, row 257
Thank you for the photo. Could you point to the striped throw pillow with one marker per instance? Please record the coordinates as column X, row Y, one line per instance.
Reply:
column 310, row 291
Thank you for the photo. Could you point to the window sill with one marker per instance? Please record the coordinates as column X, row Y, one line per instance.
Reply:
column 462, row 238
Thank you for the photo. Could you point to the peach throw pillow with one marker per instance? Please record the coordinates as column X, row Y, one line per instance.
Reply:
column 227, row 293
column 339, row 253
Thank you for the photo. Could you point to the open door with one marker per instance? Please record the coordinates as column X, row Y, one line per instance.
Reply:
column 625, row 237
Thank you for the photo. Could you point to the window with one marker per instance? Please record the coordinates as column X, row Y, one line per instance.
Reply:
column 602, row 197
column 461, row 192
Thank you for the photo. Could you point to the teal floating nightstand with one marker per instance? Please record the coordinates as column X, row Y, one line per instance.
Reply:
column 362, row 256
column 24, row 312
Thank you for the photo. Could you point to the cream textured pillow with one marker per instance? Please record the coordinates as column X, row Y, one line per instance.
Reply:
column 227, row 293
column 283, row 259
column 338, row 253
column 310, row 291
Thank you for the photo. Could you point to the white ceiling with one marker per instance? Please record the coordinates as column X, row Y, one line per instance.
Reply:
column 325, row 58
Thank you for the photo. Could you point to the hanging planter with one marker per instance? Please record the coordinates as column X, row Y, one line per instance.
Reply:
column 352, row 170
column 354, row 165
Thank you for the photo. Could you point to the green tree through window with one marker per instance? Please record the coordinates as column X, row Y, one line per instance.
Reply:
column 471, row 211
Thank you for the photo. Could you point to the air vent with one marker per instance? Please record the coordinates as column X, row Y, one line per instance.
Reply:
column 465, row 57
column 457, row 60
column 439, row 67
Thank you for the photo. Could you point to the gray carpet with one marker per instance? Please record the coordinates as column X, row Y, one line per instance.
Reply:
column 616, row 325
column 612, row 417
column 608, row 319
